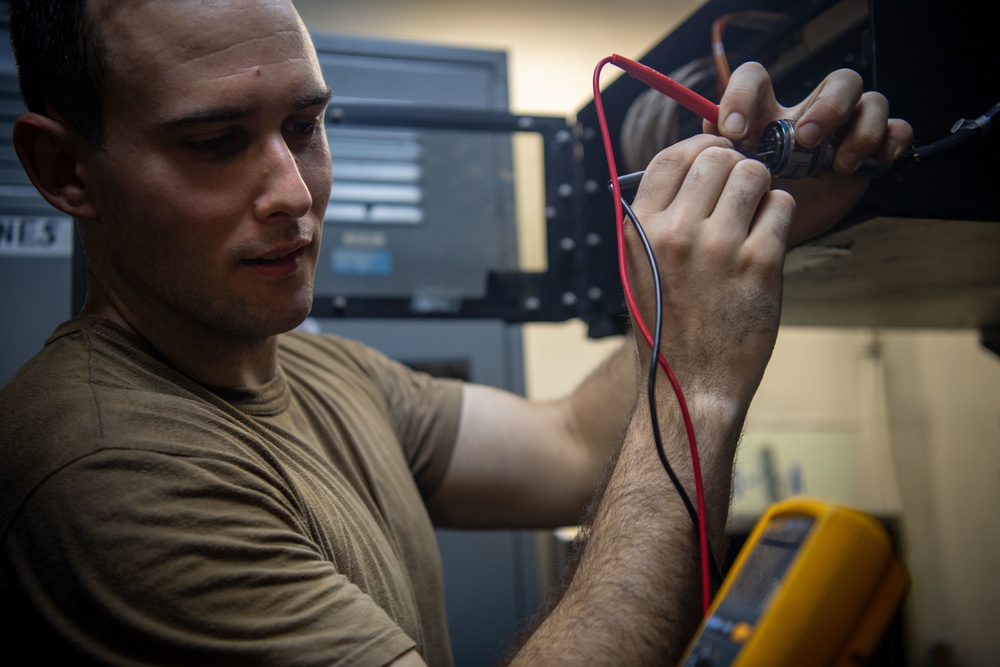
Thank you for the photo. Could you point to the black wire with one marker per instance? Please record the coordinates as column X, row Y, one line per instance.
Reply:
column 964, row 131
column 651, row 388
column 651, row 381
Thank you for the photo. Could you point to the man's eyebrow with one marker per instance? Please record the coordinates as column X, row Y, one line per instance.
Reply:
column 321, row 96
column 221, row 115
column 228, row 114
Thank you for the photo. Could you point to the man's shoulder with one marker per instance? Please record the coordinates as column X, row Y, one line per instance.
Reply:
column 56, row 382
column 91, row 388
column 84, row 366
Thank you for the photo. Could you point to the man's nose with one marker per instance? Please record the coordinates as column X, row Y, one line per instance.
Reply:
column 282, row 191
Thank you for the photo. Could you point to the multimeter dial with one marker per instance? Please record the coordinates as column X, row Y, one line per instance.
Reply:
column 785, row 158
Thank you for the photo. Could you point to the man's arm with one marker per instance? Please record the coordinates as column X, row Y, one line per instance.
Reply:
column 633, row 597
column 524, row 464
column 720, row 234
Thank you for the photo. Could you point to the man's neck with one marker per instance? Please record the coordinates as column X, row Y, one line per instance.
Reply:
column 206, row 355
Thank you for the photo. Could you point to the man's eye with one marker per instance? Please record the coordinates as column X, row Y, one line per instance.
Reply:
column 220, row 145
column 304, row 130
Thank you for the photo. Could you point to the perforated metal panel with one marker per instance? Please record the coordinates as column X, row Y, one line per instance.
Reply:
column 415, row 213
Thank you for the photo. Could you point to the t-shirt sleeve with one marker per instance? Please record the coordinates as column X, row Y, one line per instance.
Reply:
column 424, row 410
column 146, row 558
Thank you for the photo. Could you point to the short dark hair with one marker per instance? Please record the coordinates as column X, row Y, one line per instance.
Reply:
column 61, row 62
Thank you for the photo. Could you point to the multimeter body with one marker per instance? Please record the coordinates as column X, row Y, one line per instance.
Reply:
column 815, row 584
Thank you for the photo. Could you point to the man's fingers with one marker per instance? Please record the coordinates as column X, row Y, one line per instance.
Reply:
column 667, row 171
column 866, row 134
column 746, row 182
column 898, row 139
column 748, row 96
column 768, row 239
column 828, row 108
column 706, row 182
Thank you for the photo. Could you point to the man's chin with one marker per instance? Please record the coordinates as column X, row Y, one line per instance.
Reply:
column 295, row 312
column 266, row 325
column 303, row 323
column 289, row 324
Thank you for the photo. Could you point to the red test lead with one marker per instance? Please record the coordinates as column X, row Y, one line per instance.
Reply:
column 684, row 96
column 710, row 112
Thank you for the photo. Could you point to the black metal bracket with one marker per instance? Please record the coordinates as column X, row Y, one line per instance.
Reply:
column 566, row 290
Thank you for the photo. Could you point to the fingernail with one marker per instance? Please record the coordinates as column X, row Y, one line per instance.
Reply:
column 735, row 124
column 847, row 162
column 809, row 134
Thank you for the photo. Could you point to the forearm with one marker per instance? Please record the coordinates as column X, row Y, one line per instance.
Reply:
column 598, row 410
column 719, row 233
column 639, row 563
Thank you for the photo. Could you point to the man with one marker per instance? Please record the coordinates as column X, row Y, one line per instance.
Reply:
column 185, row 484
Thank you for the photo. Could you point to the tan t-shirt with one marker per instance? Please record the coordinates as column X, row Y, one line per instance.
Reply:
column 149, row 519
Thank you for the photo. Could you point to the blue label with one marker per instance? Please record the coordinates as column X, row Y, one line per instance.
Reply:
column 361, row 261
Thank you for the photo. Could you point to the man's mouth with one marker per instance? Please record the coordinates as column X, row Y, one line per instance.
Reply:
column 279, row 262
column 276, row 256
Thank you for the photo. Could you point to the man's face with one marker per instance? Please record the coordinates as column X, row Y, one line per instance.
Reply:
column 214, row 183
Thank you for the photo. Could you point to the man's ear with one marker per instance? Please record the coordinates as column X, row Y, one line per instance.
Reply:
column 50, row 154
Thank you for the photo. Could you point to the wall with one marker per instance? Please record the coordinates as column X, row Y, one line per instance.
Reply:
column 912, row 417
column 943, row 394
column 919, row 415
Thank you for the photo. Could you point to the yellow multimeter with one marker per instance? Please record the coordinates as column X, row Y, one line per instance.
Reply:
column 815, row 584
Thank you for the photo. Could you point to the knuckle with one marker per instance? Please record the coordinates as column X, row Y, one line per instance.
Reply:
column 783, row 208
column 786, row 202
column 667, row 159
column 782, row 205
column 748, row 182
column 716, row 157
column 720, row 153
column 753, row 171
column 834, row 106
column 763, row 263
column 676, row 240
column 684, row 152
column 868, row 136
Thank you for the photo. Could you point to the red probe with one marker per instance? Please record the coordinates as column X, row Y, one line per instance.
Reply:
column 684, row 96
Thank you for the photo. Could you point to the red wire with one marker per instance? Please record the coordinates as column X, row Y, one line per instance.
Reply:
column 710, row 112
column 663, row 83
